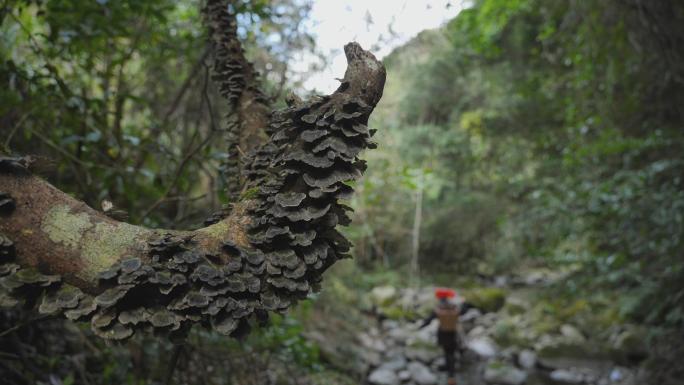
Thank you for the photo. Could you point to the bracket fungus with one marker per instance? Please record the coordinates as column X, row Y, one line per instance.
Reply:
column 263, row 254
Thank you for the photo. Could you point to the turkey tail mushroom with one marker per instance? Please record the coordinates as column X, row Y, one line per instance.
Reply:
column 65, row 258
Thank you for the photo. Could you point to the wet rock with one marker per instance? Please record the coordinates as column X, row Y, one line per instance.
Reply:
column 382, row 376
column 503, row 374
column 404, row 375
column 421, row 374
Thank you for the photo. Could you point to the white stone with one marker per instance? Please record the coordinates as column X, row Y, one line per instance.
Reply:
column 421, row 374
column 372, row 343
column 567, row 376
column 483, row 347
column 527, row 359
column 382, row 295
column 383, row 377
column 471, row 314
column 404, row 375
column 394, row 364
column 477, row 332
column 426, row 335
column 400, row 334
column 389, row 324
column 572, row 333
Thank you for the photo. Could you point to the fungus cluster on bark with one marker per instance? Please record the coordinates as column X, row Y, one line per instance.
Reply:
column 265, row 253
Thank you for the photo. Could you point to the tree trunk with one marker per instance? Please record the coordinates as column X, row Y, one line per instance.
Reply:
column 266, row 252
column 415, row 233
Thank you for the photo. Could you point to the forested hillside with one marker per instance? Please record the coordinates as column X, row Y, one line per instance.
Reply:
column 540, row 134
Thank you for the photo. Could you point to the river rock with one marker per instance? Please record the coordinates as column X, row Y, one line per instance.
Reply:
column 559, row 353
column 394, row 363
column 527, row 359
column 424, row 336
column 400, row 334
column 422, row 354
column 515, row 305
column 404, row 375
column 483, row 347
column 372, row 343
column 502, row 374
column 383, row 295
column 477, row 332
column 630, row 344
column 471, row 315
column 487, row 320
column 382, row 376
column 567, row 376
column 389, row 324
column 572, row 333
column 421, row 374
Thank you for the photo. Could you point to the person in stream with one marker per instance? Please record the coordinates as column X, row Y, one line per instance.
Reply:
column 448, row 333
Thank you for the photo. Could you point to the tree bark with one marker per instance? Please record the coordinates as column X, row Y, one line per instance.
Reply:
column 64, row 257
column 249, row 109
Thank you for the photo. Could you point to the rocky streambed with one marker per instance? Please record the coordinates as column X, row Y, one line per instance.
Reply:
column 394, row 350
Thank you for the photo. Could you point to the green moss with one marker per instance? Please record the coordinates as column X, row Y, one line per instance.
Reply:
column 489, row 299
column 218, row 231
column 398, row 313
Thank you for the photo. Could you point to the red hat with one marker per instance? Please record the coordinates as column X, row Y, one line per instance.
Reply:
column 443, row 292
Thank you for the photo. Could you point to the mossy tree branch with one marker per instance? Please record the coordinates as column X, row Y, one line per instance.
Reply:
column 58, row 254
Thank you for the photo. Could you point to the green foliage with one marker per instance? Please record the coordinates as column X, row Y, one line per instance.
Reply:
column 283, row 336
column 118, row 95
column 552, row 135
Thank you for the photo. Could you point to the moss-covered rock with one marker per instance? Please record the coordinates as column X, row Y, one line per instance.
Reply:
column 630, row 344
column 516, row 306
column 383, row 295
column 487, row 299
